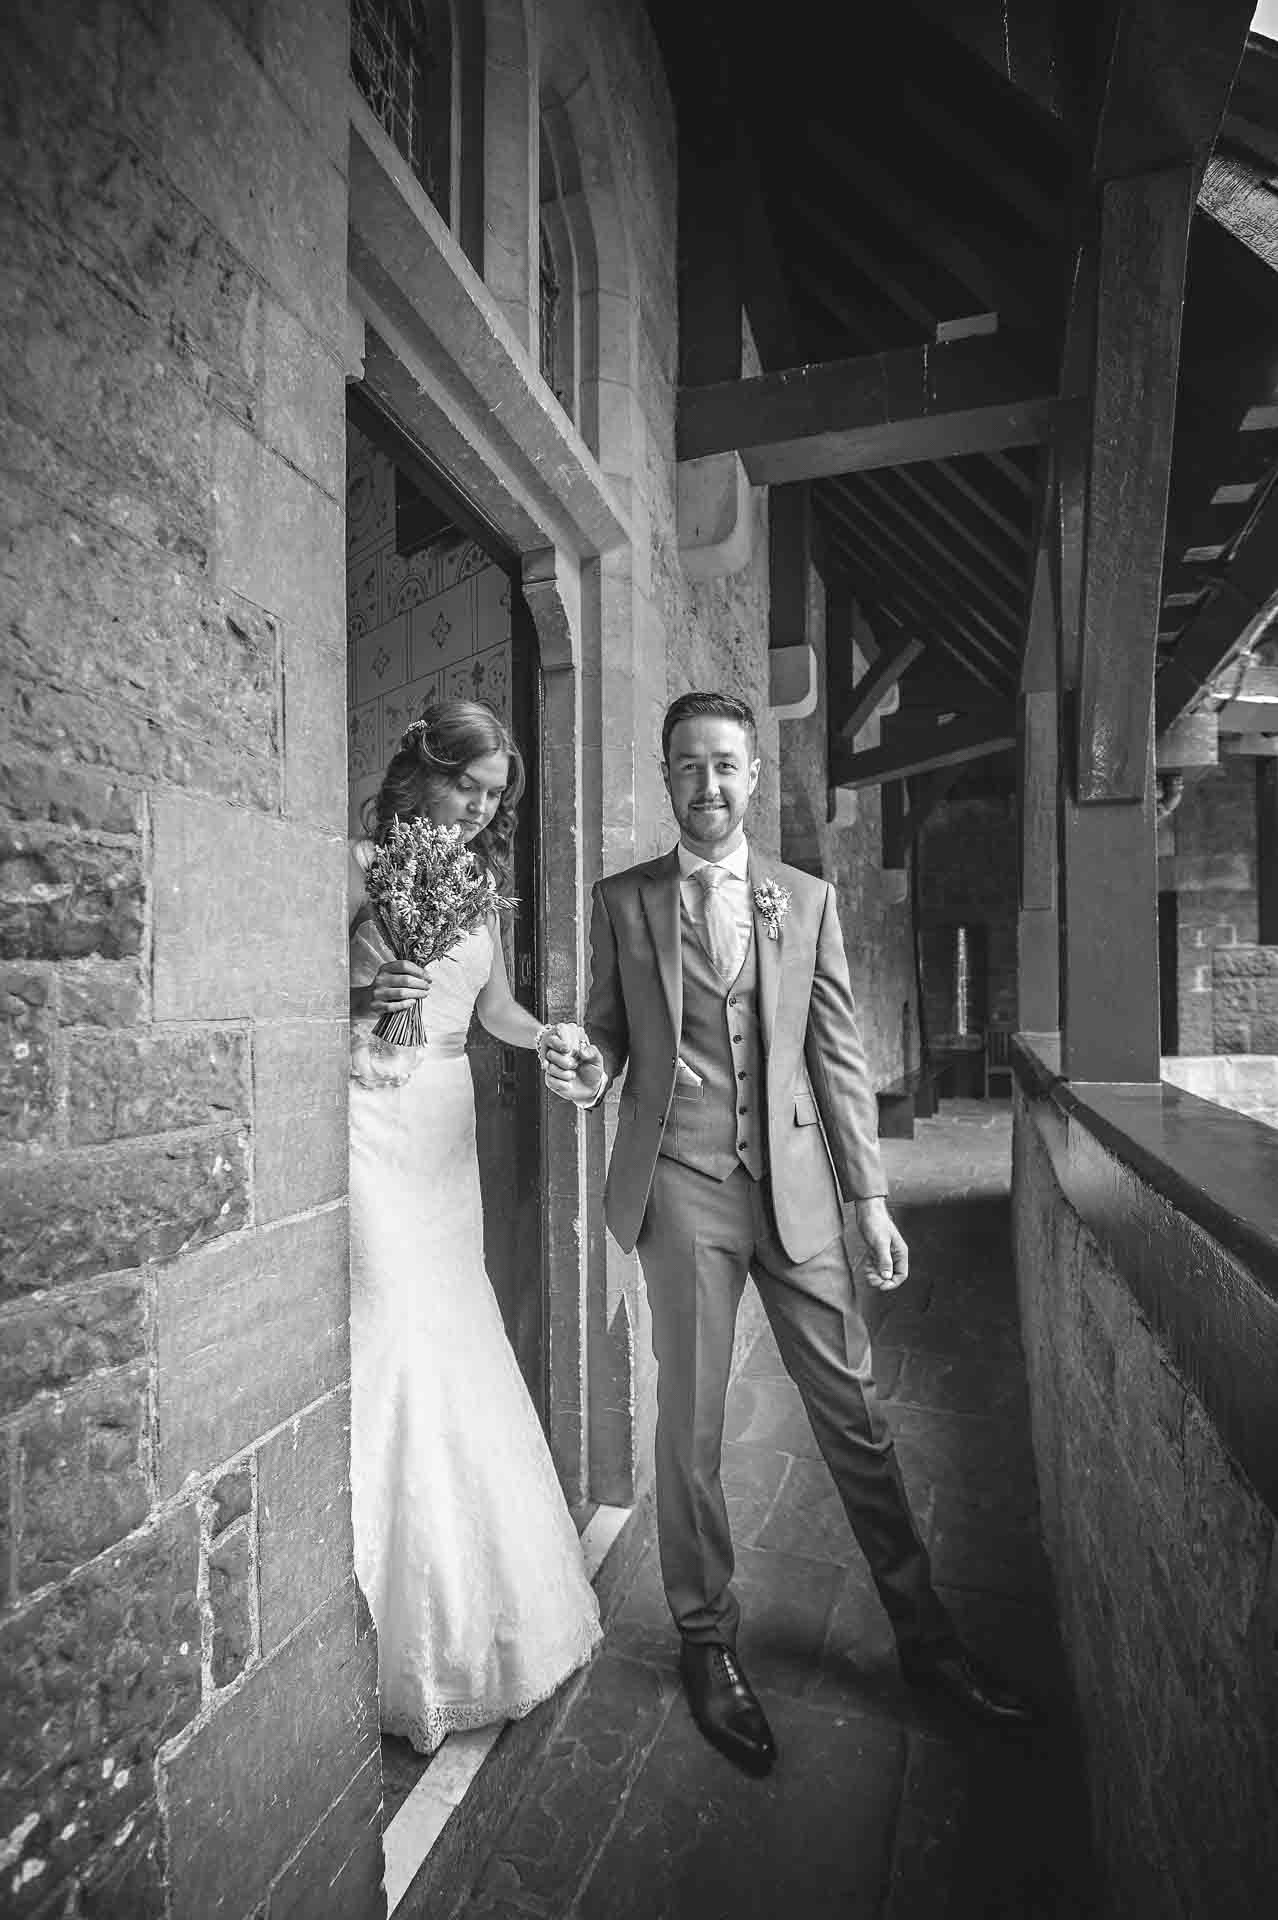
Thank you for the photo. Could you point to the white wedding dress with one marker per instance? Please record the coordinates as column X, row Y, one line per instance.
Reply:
column 464, row 1546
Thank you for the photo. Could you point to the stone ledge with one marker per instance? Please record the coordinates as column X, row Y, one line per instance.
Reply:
column 1180, row 1194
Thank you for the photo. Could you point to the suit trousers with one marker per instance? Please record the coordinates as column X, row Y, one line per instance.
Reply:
column 699, row 1240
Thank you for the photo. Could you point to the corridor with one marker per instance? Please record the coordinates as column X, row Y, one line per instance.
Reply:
column 882, row 1805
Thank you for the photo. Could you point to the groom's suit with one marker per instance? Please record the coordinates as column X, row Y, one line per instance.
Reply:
column 745, row 1123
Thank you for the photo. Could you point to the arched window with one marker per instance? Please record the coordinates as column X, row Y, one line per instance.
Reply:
column 402, row 63
column 557, row 280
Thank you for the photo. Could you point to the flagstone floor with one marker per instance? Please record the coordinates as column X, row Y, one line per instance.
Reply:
column 882, row 1806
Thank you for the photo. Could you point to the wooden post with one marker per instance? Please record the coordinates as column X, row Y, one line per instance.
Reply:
column 1038, row 922
column 1106, row 822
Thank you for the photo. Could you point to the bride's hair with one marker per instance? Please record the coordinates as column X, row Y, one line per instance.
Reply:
column 434, row 753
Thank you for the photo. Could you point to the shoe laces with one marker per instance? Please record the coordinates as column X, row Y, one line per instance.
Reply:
column 732, row 1672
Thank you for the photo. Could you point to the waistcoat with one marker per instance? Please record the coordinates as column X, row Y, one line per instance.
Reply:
column 721, row 1123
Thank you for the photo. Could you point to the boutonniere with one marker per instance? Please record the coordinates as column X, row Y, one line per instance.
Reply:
column 773, row 903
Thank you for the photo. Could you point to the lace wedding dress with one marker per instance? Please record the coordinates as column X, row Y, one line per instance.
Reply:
column 464, row 1546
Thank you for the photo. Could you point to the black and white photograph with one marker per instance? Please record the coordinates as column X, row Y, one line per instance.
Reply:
column 639, row 960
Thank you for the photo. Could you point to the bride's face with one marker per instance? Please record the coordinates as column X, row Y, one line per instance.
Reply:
column 471, row 800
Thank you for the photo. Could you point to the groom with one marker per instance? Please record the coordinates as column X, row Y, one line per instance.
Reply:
column 746, row 1122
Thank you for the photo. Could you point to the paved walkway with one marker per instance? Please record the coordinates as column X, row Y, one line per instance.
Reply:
column 880, row 1806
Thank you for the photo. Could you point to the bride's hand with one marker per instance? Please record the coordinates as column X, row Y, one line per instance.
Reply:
column 573, row 1066
column 398, row 984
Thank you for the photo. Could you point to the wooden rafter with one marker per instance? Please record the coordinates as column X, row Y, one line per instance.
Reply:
column 873, row 685
column 1003, row 603
column 875, row 410
column 947, row 746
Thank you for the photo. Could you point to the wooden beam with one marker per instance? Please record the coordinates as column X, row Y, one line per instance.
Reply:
column 876, row 410
column 709, row 244
column 1009, row 606
column 1236, row 194
column 1164, row 84
column 891, row 823
column 921, row 484
column 1002, row 642
column 962, row 139
column 1143, row 252
column 1016, row 39
column 948, row 746
column 1238, row 604
column 919, row 604
column 873, row 685
column 981, row 501
column 917, row 589
column 927, row 792
column 996, row 275
column 840, row 238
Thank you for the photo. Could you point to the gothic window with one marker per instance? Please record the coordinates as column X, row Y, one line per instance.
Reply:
column 549, row 315
column 401, row 61
column 558, row 319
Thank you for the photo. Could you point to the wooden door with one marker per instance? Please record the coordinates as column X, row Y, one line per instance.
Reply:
column 435, row 610
column 507, row 1079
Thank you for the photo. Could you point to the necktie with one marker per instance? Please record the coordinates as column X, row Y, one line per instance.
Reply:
column 722, row 935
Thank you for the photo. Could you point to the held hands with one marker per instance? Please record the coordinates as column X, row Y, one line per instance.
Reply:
column 887, row 1260
column 397, row 984
column 571, row 1062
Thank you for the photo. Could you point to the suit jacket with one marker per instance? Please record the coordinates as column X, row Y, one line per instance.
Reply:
column 821, row 1110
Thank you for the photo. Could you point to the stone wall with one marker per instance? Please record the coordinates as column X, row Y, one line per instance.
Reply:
column 1213, row 875
column 1163, row 1557
column 190, row 1722
column 1244, row 989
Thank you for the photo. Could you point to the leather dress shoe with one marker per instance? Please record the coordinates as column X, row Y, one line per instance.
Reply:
column 724, row 1706
column 961, row 1677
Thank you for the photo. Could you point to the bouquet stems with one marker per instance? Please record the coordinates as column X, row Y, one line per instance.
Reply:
column 402, row 1026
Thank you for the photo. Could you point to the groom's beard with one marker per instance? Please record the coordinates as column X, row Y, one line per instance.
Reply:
column 710, row 826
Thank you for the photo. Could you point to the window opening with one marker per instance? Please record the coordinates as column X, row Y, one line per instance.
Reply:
column 549, row 315
column 401, row 61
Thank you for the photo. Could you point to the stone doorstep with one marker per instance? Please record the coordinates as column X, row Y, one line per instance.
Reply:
column 444, row 1831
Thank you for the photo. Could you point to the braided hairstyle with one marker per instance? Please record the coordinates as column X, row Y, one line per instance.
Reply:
column 433, row 753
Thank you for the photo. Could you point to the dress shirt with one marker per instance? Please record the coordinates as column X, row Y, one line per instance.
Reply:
column 734, row 890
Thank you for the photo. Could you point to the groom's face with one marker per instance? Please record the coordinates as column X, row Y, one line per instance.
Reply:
column 710, row 776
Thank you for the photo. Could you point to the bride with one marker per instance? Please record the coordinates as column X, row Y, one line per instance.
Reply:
column 464, row 1546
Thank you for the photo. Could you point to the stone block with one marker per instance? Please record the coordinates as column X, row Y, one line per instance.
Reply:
column 232, row 1498
column 26, row 1055
column 250, row 916
column 315, row 790
column 56, row 1341
column 101, row 729
column 79, row 1756
column 303, row 405
column 279, row 540
column 155, row 1081
column 716, row 523
column 301, row 1145
column 304, row 51
column 68, row 797
column 270, row 1764
column 123, row 217
column 199, row 663
column 63, row 899
column 1245, row 963
column 83, row 1475
column 102, row 1210
column 249, row 1333
column 230, row 1602
column 199, row 99
column 100, row 993
column 305, row 1548
column 1264, row 1033
column 99, row 375
column 338, row 1873
column 1235, row 996
column 1231, row 1036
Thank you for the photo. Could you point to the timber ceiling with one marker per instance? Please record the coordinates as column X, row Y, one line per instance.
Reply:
column 900, row 192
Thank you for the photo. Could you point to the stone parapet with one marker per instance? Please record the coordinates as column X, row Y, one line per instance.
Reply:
column 1150, row 1334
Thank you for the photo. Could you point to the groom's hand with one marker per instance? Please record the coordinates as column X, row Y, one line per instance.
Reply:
column 887, row 1259
column 574, row 1073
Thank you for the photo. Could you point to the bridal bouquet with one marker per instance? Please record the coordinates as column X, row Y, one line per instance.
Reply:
column 429, row 891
